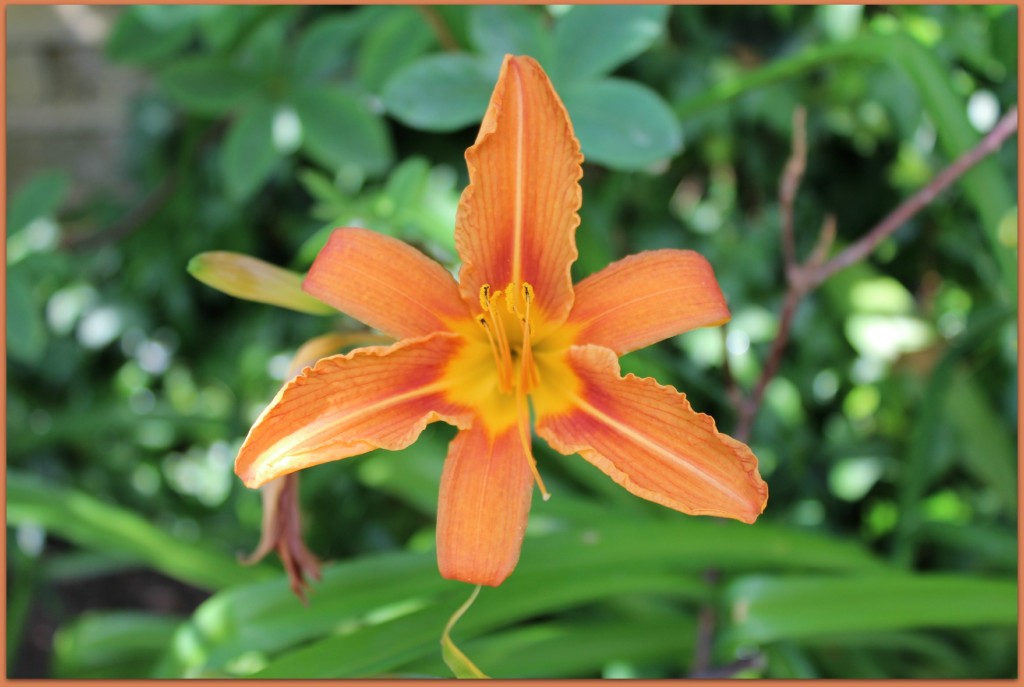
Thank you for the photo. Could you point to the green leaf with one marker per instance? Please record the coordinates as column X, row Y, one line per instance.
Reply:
column 988, row 451
column 984, row 184
column 341, row 133
column 439, row 92
column 393, row 42
column 117, row 644
column 768, row 609
column 138, row 41
column 601, row 556
column 408, row 181
column 325, row 45
column 266, row 617
column 498, row 30
column 988, row 544
column 424, row 203
column 556, row 649
column 37, row 198
column 591, row 40
column 262, row 48
column 170, row 17
column 92, row 524
column 249, row 154
column 927, row 431
column 223, row 26
column 622, row 124
column 23, row 579
column 456, row 19
column 207, row 85
column 412, row 634
column 26, row 332
column 1004, row 39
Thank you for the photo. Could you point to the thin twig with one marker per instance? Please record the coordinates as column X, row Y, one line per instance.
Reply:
column 706, row 622
column 804, row 278
column 791, row 176
column 749, row 409
column 439, row 27
column 140, row 215
column 128, row 223
column 752, row 662
column 863, row 247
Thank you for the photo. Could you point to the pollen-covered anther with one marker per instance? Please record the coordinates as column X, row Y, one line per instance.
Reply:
column 490, row 319
column 510, row 337
column 529, row 377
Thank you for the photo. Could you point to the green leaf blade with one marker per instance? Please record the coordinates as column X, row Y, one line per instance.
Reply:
column 498, row 30
column 37, row 198
column 391, row 44
column 623, row 124
column 249, row 154
column 207, row 85
column 135, row 40
column 341, row 133
column 771, row 609
column 592, row 40
column 121, row 644
column 90, row 523
column 439, row 93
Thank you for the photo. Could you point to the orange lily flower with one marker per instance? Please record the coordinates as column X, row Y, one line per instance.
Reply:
column 512, row 334
column 252, row 279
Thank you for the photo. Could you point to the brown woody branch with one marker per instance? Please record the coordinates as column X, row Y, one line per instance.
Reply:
column 807, row 276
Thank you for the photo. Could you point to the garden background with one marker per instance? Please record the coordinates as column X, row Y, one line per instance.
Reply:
column 887, row 435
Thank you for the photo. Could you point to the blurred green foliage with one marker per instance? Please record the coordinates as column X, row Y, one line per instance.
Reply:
column 888, row 548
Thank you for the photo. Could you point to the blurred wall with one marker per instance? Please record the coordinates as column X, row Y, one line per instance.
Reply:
column 66, row 104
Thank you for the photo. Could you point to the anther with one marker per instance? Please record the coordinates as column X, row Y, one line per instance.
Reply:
column 485, row 297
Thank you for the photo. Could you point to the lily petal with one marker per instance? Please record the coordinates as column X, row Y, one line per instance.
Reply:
column 252, row 279
column 647, row 438
column 647, row 297
column 379, row 397
column 485, row 497
column 329, row 344
column 385, row 283
column 517, row 218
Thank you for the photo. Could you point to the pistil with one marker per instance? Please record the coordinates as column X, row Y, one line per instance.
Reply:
column 493, row 326
column 523, row 417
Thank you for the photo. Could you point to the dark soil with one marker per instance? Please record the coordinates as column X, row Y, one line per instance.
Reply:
column 56, row 604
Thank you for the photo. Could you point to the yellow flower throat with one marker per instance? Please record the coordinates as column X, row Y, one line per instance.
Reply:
column 509, row 341
column 512, row 359
column 505, row 348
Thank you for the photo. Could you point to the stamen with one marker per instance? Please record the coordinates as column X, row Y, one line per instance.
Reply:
column 524, row 436
column 485, row 297
column 490, row 319
column 494, row 351
column 501, row 336
column 529, row 376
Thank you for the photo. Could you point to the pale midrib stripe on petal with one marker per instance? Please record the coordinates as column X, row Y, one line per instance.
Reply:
column 520, row 195
column 652, row 445
column 282, row 448
column 639, row 299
